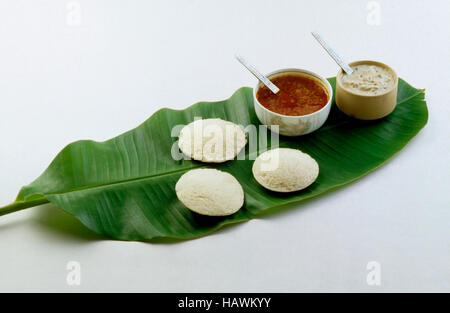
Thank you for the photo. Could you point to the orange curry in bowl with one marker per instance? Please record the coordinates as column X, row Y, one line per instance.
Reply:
column 299, row 95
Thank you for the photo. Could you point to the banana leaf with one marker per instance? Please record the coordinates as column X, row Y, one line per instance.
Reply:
column 124, row 188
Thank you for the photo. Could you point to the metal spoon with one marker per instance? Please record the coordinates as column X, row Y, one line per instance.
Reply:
column 347, row 69
column 263, row 79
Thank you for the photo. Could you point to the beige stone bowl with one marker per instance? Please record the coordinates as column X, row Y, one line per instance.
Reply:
column 366, row 107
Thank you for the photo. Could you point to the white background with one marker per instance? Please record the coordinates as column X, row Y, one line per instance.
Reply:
column 64, row 79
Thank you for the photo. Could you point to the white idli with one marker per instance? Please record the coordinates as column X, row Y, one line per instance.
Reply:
column 210, row 192
column 285, row 170
column 212, row 140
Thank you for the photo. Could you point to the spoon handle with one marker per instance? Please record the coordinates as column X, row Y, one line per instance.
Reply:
column 333, row 53
column 258, row 75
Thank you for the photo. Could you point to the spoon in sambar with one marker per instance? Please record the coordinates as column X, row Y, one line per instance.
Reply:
column 263, row 79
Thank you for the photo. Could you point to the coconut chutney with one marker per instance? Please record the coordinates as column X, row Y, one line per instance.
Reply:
column 368, row 79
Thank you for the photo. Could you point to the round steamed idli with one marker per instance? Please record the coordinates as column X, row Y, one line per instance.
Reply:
column 212, row 140
column 210, row 192
column 285, row 170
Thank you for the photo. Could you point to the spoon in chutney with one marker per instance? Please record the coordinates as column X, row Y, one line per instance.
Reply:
column 347, row 69
column 263, row 79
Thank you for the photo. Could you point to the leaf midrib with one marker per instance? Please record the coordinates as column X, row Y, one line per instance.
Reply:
column 126, row 181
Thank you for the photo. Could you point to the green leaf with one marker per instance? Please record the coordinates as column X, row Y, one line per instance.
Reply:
column 124, row 188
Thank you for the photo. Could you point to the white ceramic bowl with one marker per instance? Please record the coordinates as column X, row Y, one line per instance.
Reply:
column 294, row 125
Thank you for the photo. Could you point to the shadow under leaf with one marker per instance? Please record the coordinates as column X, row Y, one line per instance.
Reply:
column 57, row 220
